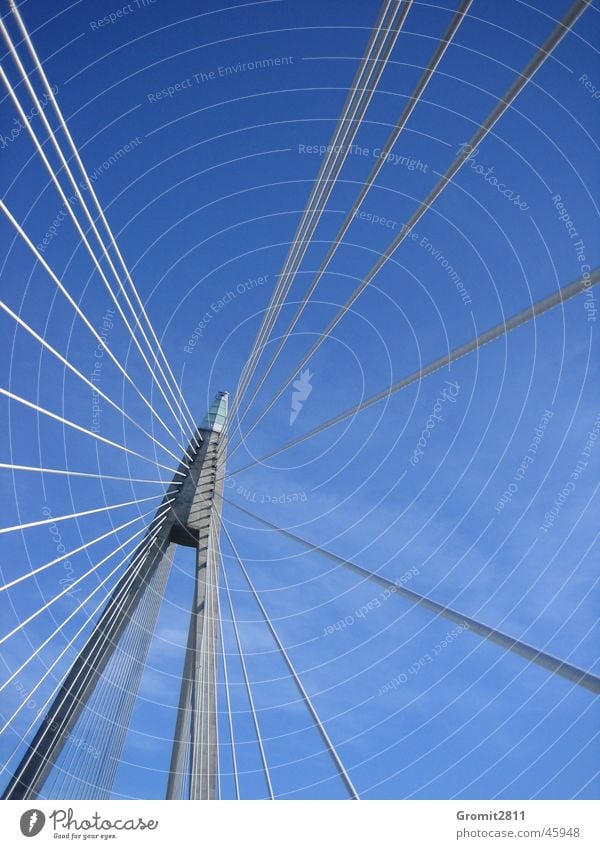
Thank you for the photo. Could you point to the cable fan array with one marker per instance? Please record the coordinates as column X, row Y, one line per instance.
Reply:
column 112, row 664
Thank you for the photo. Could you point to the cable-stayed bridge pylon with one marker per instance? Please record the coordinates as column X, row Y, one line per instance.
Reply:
column 190, row 516
column 79, row 735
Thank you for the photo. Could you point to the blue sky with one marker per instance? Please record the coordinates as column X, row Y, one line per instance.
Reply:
column 204, row 191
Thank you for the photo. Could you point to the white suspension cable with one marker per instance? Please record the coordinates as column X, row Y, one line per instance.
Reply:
column 52, row 520
column 501, row 107
column 50, row 94
column 87, row 672
column 216, row 665
column 79, row 474
column 228, row 699
column 326, row 739
column 9, row 722
column 358, row 100
column 32, row 406
column 549, row 662
column 77, row 774
column 247, row 684
column 502, row 329
column 27, row 123
column 81, row 315
column 83, row 671
column 405, row 115
column 94, row 387
column 74, row 551
column 321, row 190
column 67, row 590
column 313, row 206
column 105, row 725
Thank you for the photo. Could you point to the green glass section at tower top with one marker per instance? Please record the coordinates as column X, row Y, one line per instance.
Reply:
column 217, row 413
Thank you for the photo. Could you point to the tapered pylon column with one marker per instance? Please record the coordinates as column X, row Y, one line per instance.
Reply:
column 194, row 759
column 192, row 519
